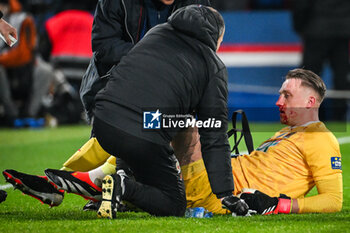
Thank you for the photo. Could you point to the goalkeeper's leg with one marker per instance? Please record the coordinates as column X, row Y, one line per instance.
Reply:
column 35, row 186
column 86, row 184
column 88, row 157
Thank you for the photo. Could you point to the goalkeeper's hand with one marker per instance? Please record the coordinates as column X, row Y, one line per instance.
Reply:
column 264, row 204
column 237, row 206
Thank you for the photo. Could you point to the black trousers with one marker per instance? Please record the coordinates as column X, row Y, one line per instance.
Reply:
column 335, row 50
column 157, row 188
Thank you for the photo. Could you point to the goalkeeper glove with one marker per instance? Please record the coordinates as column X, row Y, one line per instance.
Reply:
column 235, row 205
column 264, row 204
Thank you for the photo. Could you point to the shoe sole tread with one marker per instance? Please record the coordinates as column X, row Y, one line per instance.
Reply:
column 106, row 209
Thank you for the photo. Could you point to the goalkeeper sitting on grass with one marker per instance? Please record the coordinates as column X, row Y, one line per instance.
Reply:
column 292, row 162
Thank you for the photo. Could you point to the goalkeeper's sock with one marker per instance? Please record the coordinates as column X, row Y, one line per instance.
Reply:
column 96, row 175
column 113, row 162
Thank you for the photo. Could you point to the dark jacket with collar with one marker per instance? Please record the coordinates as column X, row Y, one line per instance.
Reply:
column 174, row 69
column 117, row 27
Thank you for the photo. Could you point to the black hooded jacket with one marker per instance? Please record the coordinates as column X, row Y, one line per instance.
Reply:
column 175, row 69
column 117, row 27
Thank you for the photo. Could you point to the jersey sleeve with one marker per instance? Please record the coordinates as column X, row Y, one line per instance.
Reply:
column 323, row 156
column 328, row 199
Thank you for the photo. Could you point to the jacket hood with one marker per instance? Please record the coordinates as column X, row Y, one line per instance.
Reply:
column 197, row 21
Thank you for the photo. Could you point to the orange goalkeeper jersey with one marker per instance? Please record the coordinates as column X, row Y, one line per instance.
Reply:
column 291, row 162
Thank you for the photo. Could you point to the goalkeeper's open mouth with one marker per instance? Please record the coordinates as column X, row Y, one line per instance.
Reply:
column 281, row 110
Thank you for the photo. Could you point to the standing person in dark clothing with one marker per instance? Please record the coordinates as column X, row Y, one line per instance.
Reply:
column 120, row 24
column 175, row 70
column 324, row 26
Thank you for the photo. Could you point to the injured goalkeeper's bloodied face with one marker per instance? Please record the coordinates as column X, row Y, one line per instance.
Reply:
column 294, row 102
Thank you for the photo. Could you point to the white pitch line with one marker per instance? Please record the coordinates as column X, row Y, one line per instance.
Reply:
column 5, row 186
column 344, row 140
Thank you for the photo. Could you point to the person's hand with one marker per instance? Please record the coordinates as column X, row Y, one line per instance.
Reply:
column 6, row 30
column 237, row 206
column 264, row 204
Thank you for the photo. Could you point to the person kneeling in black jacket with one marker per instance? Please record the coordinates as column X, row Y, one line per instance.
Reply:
column 173, row 72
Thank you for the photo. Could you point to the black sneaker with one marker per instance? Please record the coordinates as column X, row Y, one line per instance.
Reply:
column 3, row 195
column 123, row 207
column 36, row 186
column 113, row 188
column 92, row 205
column 75, row 182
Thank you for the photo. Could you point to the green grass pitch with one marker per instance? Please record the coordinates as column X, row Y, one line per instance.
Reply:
column 32, row 151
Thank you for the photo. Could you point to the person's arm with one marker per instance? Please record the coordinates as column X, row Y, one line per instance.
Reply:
column 322, row 154
column 214, row 142
column 6, row 30
column 110, row 41
column 328, row 199
column 22, row 52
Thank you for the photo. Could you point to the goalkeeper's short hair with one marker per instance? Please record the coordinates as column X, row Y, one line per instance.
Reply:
column 309, row 79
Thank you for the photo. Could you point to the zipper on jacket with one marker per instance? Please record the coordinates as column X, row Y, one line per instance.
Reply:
column 126, row 20
column 139, row 23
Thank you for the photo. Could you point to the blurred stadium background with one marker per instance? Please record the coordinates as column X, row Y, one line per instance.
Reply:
column 260, row 46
